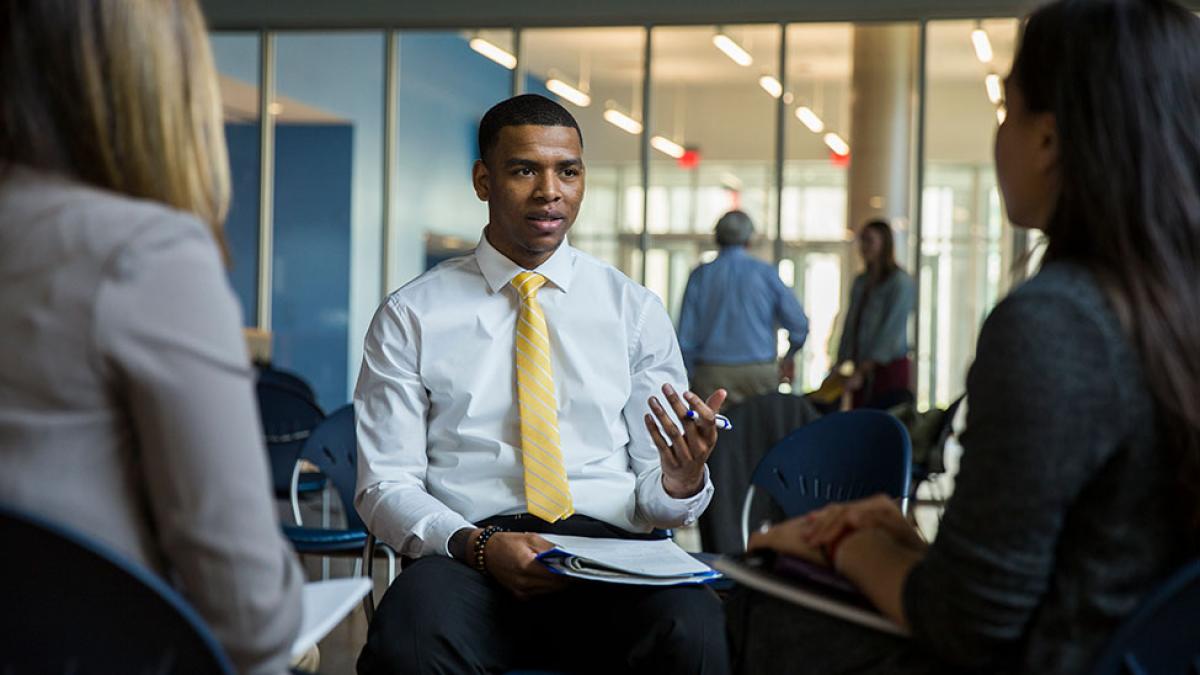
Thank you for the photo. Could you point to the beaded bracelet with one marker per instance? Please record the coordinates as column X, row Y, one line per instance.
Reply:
column 481, row 544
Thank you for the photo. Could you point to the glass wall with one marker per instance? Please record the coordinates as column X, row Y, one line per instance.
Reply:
column 817, row 254
column 597, row 74
column 712, row 134
column 969, row 257
column 710, row 127
column 328, row 204
column 447, row 81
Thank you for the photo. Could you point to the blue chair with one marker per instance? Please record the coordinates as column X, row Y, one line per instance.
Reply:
column 287, row 380
column 1163, row 635
column 333, row 448
column 73, row 605
column 839, row 457
column 288, row 417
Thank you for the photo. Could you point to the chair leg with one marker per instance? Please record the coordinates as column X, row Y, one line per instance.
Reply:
column 294, row 495
column 325, row 524
column 368, row 560
column 746, row 516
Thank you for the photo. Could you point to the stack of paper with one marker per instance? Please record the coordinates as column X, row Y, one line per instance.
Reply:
column 622, row 561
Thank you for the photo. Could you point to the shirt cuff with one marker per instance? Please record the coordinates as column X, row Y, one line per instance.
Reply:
column 436, row 540
column 687, row 509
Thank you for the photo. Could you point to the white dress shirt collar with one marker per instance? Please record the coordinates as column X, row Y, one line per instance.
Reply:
column 498, row 270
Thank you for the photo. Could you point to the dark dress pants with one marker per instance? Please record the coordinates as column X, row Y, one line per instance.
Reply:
column 441, row 616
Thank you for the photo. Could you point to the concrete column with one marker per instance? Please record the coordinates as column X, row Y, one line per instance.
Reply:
column 882, row 109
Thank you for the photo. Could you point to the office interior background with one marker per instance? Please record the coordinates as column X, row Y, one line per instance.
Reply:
column 357, row 177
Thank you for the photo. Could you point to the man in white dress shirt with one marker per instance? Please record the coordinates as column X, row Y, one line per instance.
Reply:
column 444, row 429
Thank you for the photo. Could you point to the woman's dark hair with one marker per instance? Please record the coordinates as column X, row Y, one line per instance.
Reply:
column 1122, row 79
column 887, row 252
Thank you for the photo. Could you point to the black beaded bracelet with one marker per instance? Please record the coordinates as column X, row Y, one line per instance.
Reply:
column 481, row 544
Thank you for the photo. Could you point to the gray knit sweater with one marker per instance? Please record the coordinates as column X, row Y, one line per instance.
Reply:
column 1062, row 517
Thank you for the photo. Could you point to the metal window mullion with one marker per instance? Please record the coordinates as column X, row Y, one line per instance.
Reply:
column 918, row 219
column 518, row 87
column 780, row 144
column 266, row 176
column 391, row 88
column 644, row 148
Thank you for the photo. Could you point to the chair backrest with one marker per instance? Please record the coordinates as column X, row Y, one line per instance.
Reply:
column 72, row 605
column 288, row 418
column 1163, row 635
column 287, row 380
column 842, row 456
column 333, row 448
column 759, row 422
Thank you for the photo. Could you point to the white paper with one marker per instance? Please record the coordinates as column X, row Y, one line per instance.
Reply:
column 323, row 605
column 655, row 558
column 556, row 565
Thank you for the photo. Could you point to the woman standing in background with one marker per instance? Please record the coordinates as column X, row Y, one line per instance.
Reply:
column 875, row 333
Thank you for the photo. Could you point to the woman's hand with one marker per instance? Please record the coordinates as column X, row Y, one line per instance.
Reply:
column 789, row 538
column 809, row 536
column 880, row 511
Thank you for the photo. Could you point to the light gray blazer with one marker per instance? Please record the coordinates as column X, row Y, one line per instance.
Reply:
column 127, row 407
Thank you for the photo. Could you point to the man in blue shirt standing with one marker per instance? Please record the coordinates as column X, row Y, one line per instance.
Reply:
column 732, row 307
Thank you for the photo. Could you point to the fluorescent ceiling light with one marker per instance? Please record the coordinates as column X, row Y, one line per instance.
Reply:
column 622, row 121
column 983, row 46
column 1001, row 114
column 732, row 49
column 568, row 92
column 992, row 81
column 493, row 52
column 810, row 119
column 667, row 146
column 771, row 86
column 836, row 144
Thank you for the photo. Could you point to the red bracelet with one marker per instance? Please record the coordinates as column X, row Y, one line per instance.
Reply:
column 831, row 549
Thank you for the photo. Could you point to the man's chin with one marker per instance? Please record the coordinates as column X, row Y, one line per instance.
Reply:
column 546, row 243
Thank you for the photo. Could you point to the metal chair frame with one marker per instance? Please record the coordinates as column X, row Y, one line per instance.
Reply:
column 334, row 453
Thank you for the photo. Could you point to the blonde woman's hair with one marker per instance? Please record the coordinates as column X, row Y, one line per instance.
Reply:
column 120, row 94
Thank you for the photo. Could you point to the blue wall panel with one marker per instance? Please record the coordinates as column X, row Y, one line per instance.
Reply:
column 311, row 285
column 241, row 227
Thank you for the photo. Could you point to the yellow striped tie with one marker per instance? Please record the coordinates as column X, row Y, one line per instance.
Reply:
column 547, row 493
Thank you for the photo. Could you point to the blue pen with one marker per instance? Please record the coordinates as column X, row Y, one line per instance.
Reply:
column 723, row 422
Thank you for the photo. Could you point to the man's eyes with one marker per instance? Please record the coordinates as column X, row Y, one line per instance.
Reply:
column 526, row 171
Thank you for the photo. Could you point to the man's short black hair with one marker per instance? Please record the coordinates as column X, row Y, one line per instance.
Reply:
column 520, row 110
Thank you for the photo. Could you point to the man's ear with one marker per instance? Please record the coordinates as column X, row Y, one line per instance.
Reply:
column 1046, row 128
column 479, row 178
